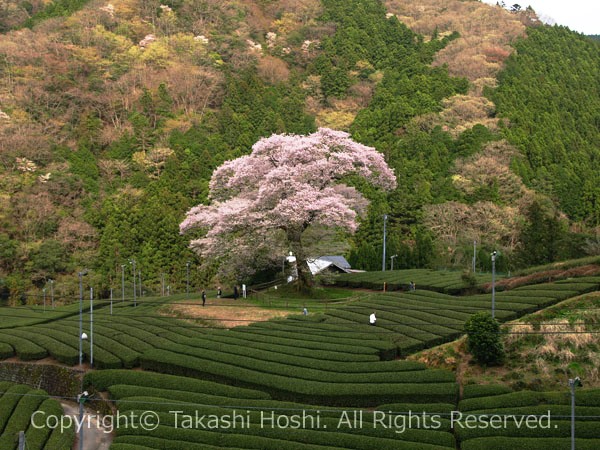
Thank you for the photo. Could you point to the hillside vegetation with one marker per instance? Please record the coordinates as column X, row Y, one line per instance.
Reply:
column 113, row 116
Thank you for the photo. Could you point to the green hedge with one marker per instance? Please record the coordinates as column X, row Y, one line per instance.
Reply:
column 58, row 350
column 329, row 421
column 127, row 442
column 503, row 443
column 296, row 339
column 308, row 369
column 6, row 350
column 558, row 412
column 136, row 397
column 124, row 445
column 24, row 348
column 102, row 380
column 61, row 440
column 106, row 349
column 103, row 359
column 585, row 397
column 123, row 337
column 287, row 388
column 20, row 418
column 123, row 327
column 9, row 401
column 484, row 390
column 123, row 391
column 508, row 400
column 440, row 281
column 199, row 439
column 333, row 334
column 273, row 352
column 297, row 351
column 557, row 429
column 274, row 438
column 37, row 437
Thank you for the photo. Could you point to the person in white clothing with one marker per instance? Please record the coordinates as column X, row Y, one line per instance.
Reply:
column 372, row 319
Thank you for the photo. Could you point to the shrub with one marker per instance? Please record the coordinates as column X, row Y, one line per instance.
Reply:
column 483, row 338
column 469, row 279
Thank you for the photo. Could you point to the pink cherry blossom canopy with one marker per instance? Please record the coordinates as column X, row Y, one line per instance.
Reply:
column 288, row 182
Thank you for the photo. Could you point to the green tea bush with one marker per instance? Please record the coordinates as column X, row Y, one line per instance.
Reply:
column 484, row 390
column 483, row 338
column 103, row 379
column 287, row 387
column 9, row 401
column 36, row 437
column 502, row 443
column 25, row 349
column 61, row 352
column 20, row 418
column 6, row 350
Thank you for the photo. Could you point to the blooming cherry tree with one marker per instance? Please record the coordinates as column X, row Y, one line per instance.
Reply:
column 286, row 185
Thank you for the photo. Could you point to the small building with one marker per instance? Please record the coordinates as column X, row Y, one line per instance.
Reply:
column 332, row 264
column 336, row 264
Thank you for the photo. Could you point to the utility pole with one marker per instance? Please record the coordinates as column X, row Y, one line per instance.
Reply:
column 91, row 327
column 81, row 275
column 52, row 292
column 132, row 262
column 187, row 288
column 494, row 253
column 122, row 282
column 385, row 218
column 474, row 255
column 81, row 398
column 573, row 383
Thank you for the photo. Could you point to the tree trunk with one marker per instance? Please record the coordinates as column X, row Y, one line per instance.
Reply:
column 305, row 280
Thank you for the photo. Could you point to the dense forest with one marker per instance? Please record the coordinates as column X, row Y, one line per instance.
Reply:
column 113, row 116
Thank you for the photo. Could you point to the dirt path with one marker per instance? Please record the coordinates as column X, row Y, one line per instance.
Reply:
column 223, row 312
column 95, row 437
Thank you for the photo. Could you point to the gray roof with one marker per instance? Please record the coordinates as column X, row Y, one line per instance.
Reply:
column 339, row 261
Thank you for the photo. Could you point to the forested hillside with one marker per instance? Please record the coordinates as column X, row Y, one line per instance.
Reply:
column 113, row 116
column 550, row 91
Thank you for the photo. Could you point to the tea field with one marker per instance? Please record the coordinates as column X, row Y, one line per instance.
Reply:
column 325, row 370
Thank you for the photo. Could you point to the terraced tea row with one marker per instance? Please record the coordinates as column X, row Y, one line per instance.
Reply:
column 256, row 421
column 549, row 425
column 448, row 282
column 406, row 322
column 421, row 319
column 250, row 419
column 18, row 403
